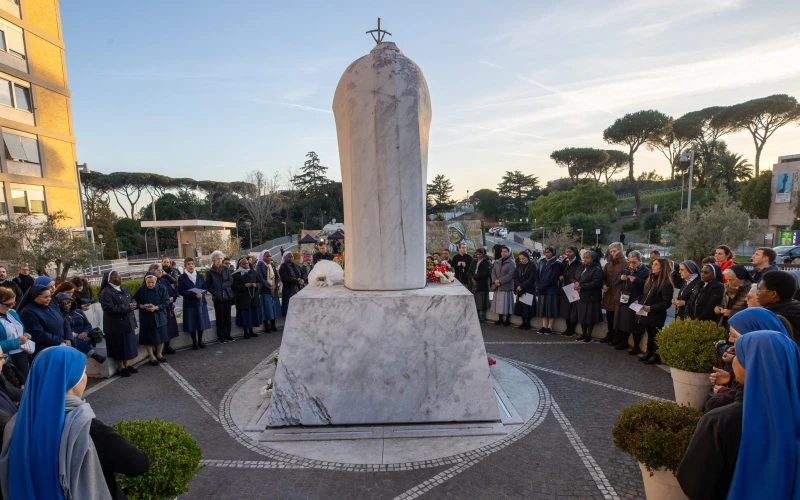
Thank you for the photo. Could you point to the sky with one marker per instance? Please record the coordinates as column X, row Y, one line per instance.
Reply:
column 213, row 90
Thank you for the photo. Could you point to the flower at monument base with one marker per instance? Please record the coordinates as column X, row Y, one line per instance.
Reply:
column 440, row 274
column 322, row 280
column 339, row 259
column 491, row 361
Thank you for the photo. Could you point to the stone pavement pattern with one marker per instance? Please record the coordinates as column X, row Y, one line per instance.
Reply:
column 570, row 454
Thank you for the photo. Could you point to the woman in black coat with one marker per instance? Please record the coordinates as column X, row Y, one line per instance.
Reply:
column 570, row 273
column 480, row 272
column 525, row 283
column 291, row 279
column 172, row 321
column 690, row 276
column 629, row 284
column 708, row 295
column 586, row 311
column 119, row 322
column 246, row 283
column 153, row 302
column 656, row 299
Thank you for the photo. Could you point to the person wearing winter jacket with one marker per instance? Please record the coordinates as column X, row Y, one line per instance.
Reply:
column 708, row 295
column 525, row 283
column 503, row 286
column 656, row 299
column 630, row 283
column 548, row 290
column 570, row 271
column 589, row 285
column 615, row 264
column 479, row 273
column 79, row 340
column 12, row 331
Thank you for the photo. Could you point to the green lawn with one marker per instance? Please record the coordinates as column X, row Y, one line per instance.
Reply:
column 670, row 200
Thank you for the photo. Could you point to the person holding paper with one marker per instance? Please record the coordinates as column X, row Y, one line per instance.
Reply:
column 525, row 289
column 587, row 311
column 192, row 287
column 616, row 263
column 656, row 299
column 629, row 283
column 708, row 295
column 570, row 273
column 548, row 288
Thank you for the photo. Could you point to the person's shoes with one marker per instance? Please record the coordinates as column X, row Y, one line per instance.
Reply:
column 549, row 331
column 246, row 335
column 230, row 339
column 273, row 328
column 506, row 323
column 605, row 340
column 169, row 350
column 201, row 344
column 100, row 359
column 614, row 343
column 621, row 346
column 655, row 359
column 588, row 339
column 194, row 346
column 580, row 339
column 223, row 341
column 499, row 322
column 636, row 350
column 646, row 356
column 568, row 334
column 123, row 372
column 162, row 359
column 133, row 369
column 541, row 330
column 154, row 362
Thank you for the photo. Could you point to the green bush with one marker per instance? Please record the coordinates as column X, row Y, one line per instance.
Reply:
column 657, row 219
column 132, row 286
column 631, row 225
column 656, row 433
column 174, row 459
column 518, row 227
column 589, row 223
column 688, row 344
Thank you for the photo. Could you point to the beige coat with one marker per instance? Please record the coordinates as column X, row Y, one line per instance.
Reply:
column 612, row 268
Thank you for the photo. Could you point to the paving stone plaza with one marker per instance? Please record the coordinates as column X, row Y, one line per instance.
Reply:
column 562, row 447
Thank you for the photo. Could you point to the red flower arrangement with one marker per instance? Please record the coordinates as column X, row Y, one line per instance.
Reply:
column 491, row 361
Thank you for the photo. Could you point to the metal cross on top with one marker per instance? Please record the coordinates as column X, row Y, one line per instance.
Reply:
column 381, row 33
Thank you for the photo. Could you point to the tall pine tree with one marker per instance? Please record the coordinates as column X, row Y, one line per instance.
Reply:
column 311, row 182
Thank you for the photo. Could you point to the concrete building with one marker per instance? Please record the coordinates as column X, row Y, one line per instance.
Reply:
column 38, row 172
column 785, row 192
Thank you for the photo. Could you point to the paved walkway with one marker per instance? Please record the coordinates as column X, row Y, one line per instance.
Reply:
column 568, row 453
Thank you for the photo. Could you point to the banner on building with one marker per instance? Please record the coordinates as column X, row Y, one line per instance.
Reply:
column 783, row 189
column 447, row 235
column 786, row 237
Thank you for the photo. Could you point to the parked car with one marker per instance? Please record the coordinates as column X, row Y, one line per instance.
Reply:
column 502, row 232
column 493, row 230
column 786, row 254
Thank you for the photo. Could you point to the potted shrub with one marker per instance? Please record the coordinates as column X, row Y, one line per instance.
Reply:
column 174, row 459
column 687, row 347
column 656, row 434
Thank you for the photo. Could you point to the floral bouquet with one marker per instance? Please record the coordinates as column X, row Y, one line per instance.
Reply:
column 440, row 274
column 339, row 259
column 322, row 280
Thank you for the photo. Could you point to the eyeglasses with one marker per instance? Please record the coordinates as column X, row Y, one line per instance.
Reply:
column 8, row 304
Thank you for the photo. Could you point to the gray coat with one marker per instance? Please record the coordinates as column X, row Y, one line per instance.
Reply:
column 504, row 271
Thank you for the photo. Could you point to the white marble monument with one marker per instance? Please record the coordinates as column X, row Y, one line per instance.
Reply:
column 384, row 348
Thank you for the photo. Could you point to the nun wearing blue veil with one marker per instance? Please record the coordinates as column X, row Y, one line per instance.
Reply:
column 748, row 449
column 54, row 447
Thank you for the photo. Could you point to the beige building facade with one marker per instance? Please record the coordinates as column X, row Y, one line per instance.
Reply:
column 38, row 173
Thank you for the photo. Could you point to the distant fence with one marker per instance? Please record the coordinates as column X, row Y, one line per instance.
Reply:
column 649, row 191
column 173, row 252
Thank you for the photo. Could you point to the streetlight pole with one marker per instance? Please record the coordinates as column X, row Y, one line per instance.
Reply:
column 82, row 169
column 690, row 158
column 284, row 230
column 146, row 250
column 250, row 227
column 581, row 230
column 683, row 181
column 101, row 246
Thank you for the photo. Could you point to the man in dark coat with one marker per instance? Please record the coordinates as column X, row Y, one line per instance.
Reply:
column 292, row 281
column 775, row 293
column 622, row 237
column 24, row 280
column 480, row 272
column 322, row 252
column 7, row 283
column 764, row 262
column 461, row 263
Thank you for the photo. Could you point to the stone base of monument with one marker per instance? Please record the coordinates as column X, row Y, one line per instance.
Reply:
column 382, row 358
column 520, row 399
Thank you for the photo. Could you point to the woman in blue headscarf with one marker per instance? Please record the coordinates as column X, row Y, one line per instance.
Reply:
column 748, row 449
column 53, row 447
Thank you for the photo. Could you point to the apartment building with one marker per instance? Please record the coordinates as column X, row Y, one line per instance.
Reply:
column 38, row 173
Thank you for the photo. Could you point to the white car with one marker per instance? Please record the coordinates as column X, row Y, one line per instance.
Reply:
column 493, row 230
column 502, row 232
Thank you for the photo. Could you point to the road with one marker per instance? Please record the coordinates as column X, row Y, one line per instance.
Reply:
column 492, row 240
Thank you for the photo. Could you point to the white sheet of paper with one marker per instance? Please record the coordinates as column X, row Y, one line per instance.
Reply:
column 572, row 294
column 197, row 290
column 639, row 309
column 526, row 299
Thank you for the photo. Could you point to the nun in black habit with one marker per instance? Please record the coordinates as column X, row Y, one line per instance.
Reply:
column 153, row 303
column 119, row 322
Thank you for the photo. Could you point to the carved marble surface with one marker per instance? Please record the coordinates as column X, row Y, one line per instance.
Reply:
column 352, row 357
column 383, row 113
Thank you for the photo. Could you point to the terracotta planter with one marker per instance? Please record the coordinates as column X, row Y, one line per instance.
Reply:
column 691, row 389
column 662, row 485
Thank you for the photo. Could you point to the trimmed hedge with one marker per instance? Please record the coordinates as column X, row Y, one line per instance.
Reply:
column 174, row 459
column 631, row 225
column 132, row 286
column 656, row 433
column 688, row 344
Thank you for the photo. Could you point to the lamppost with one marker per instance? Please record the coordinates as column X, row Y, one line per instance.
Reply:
column 250, row 227
column 284, row 230
column 101, row 246
column 690, row 158
column 322, row 220
column 581, row 230
column 146, row 250
column 648, row 238
column 683, row 181
column 85, row 170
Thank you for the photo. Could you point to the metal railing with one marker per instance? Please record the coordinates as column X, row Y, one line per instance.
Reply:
column 649, row 191
column 173, row 252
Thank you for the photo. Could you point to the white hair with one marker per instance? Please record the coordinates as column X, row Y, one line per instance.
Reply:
column 217, row 253
column 616, row 245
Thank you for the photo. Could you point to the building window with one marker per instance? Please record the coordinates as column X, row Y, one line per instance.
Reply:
column 21, row 97
column 3, row 207
column 21, row 148
column 28, row 199
column 13, row 42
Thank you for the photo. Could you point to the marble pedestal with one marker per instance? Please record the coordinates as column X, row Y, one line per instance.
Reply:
column 390, row 357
